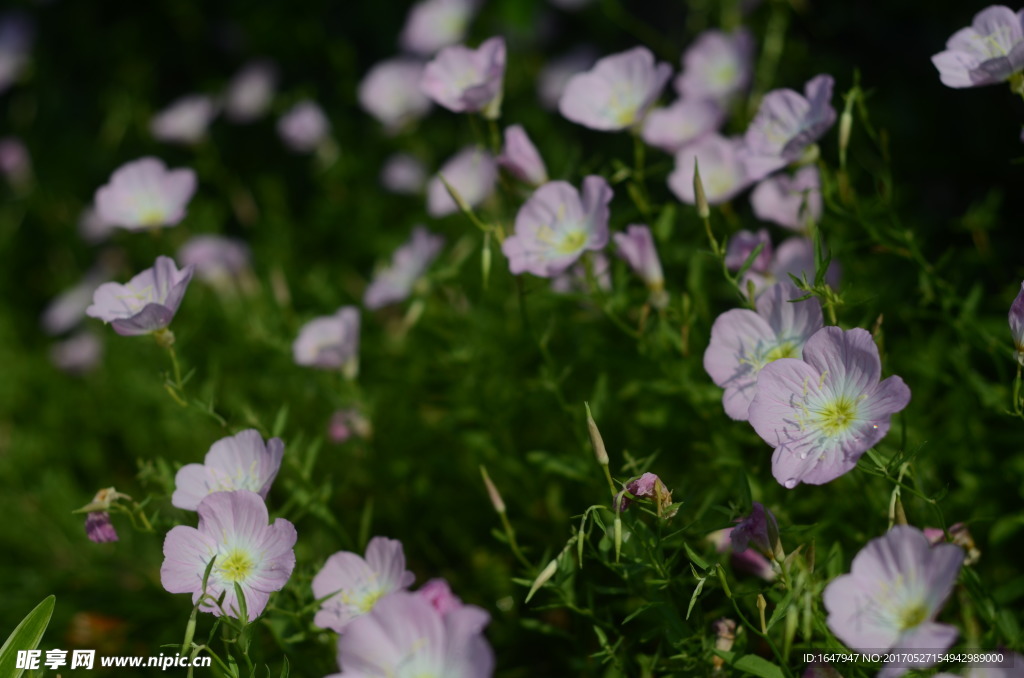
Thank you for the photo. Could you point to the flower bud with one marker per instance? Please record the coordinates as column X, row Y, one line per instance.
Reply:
column 492, row 492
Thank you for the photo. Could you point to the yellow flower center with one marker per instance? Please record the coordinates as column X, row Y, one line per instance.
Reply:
column 913, row 616
column 572, row 241
column 236, row 567
column 837, row 416
column 786, row 349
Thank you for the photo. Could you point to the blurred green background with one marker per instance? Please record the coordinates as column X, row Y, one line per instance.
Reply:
column 934, row 245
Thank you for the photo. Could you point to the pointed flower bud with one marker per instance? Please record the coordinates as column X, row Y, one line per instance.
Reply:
column 492, row 491
column 701, row 198
column 546, row 574
column 595, row 438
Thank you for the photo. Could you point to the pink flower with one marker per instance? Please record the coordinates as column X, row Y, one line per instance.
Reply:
column 744, row 342
column 404, row 635
column 789, row 201
column 330, row 342
column 682, row 123
column 250, row 92
column 636, row 246
column 647, row 486
column 351, row 586
column 239, row 462
column 617, row 92
column 17, row 34
column 987, row 52
column 403, row 173
column 98, row 527
column 557, row 225
column 743, row 244
column 390, row 92
column 77, row 355
column 434, row 24
column 786, row 124
column 717, row 67
column 823, row 412
column 222, row 263
column 556, row 74
column 233, row 530
column 440, row 595
column 68, row 308
column 185, row 121
column 896, row 587
column 722, row 171
column 147, row 303
column 15, row 162
column 794, row 255
column 408, row 264
column 471, row 172
column 465, row 80
column 145, row 194
column 1017, row 324
column 520, row 157
column 304, row 127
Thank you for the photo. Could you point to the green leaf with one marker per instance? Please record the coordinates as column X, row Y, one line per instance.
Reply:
column 759, row 666
column 695, row 559
column 25, row 637
column 780, row 610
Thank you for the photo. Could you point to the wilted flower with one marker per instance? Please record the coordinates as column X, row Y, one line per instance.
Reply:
column 185, row 121
column 682, row 123
column 823, row 412
column 749, row 561
column 239, row 462
column 790, row 201
column 408, row 264
column 743, row 342
column 557, row 73
column 959, row 535
column 147, row 303
column 250, row 92
column 434, row 24
column 347, row 423
column 440, row 595
column 987, row 52
column 390, row 92
column 520, row 157
column 403, row 173
column 351, row 585
column 556, row 225
column 786, row 124
column 760, row 529
column 404, row 635
column 471, row 172
column 98, row 527
column 78, row 354
column 717, row 66
column 330, row 342
column 145, row 194
column 16, row 36
column 617, row 92
column 1017, row 324
column 304, row 127
column 636, row 246
column 467, row 80
column 647, row 486
column 725, row 635
column 249, row 552
column 722, row 172
column 896, row 587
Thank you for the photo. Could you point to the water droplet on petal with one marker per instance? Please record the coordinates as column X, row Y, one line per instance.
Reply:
column 790, row 483
column 874, row 426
